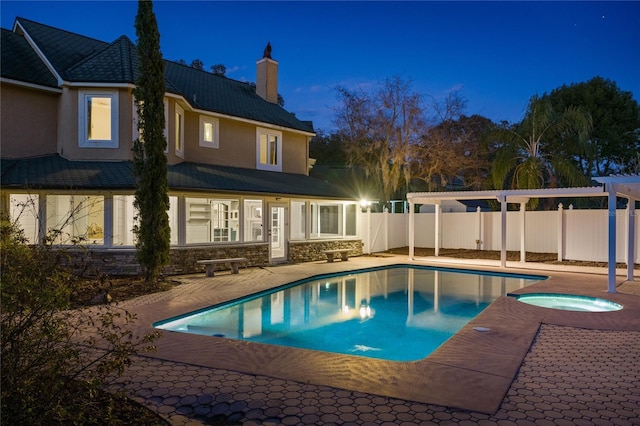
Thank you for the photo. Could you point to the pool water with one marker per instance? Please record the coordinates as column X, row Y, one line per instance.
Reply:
column 568, row 302
column 399, row 313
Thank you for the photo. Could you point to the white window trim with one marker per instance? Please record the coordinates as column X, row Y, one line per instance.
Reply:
column 215, row 122
column 179, row 152
column 83, row 140
column 269, row 132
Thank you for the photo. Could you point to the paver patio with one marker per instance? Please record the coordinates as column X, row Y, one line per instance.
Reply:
column 535, row 365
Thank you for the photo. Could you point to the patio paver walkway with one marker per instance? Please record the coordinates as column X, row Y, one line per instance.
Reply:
column 580, row 369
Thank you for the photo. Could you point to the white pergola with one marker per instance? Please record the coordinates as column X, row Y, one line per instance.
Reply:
column 625, row 186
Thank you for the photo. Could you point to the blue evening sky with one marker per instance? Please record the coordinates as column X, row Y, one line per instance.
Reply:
column 495, row 54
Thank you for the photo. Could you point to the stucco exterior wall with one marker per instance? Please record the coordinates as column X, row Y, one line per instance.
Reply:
column 236, row 148
column 237, row 145
column 68, row 128
column 295, row 153
column 29, row 120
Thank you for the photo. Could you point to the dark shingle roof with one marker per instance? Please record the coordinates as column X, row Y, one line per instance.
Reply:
column 55, row 172
column 20, row 62
column 116, row 63
column 229, row 97
column 192, row 176
column 82, row 59
column 62, row 48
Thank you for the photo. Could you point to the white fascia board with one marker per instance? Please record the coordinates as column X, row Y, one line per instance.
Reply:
column 437, row 197
column 626, row 190
column 35, row 47
column 30, row 85
column 512, row 196
column 633, row 178
column 232, row 117
column 101, row 85
column 626, row 186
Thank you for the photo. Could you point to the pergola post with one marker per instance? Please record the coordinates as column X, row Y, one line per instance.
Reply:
column 437, row 229
column 631, row 232
column 612, row 238
column 412, row 240
column 523, row 206
column 560, row 233
column 503, row 231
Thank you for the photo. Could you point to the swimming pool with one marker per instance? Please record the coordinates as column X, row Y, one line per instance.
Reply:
column 398, row 313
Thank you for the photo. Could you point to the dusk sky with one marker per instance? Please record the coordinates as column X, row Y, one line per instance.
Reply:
column 495, row 54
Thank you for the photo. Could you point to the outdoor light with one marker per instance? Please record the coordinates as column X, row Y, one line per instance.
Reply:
column 365, row 311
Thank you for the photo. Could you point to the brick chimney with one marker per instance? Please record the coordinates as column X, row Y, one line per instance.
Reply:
column 267, row 77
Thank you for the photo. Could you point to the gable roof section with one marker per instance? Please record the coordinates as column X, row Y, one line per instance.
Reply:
column 77, row 58
column 55, row 172
column 116, row 63
column 20, row 62
column 61, row 48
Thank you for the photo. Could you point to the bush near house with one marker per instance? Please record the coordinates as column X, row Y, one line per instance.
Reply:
column 52, row 372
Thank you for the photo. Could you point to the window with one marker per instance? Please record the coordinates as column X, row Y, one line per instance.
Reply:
column 25, row 213
column 209, row 132
column 75, row 219
column 298, row 220
column 179, row 135
column 331, row 219
column 253, row 220
column 268, row 149
column 124, row 219
column 98, row 119
column 212, row 220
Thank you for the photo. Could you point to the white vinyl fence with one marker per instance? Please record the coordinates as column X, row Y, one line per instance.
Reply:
column 575, row 234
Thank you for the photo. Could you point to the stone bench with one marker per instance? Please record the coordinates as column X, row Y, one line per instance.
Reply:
column 234, row 262
column 344, row 254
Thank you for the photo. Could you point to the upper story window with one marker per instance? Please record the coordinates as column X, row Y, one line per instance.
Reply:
column 209, row 132
column 268, row 149
column 179, row 127
column 98, row 119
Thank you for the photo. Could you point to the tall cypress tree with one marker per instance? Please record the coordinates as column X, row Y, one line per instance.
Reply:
column 149, row 159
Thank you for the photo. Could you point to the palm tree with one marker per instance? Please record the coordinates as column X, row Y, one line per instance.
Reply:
column 525, row 152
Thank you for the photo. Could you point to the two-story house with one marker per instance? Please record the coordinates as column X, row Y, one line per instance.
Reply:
column 238, row 163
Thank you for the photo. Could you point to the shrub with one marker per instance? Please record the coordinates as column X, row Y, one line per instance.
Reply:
column 56, row 362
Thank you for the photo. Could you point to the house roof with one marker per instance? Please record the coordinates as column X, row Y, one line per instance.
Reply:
column 62, row 49
column 55, row 172
column 77, row 58
column 115, row 63
column 229, row 97
column 20, row 62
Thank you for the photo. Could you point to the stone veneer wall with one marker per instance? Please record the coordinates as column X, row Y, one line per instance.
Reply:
column 182, row 260
column 94, row 262
column 309, row 251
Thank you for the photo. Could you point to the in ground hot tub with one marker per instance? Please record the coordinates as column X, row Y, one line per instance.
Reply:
column 568, row 302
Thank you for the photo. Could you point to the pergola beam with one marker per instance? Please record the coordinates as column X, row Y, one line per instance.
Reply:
column 625, row 186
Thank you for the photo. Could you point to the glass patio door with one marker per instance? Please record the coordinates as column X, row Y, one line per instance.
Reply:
column 277, row 232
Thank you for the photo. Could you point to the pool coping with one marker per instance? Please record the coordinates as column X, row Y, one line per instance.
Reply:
column 472, row 371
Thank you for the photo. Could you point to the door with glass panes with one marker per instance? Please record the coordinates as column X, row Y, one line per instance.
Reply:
column 277, row 232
